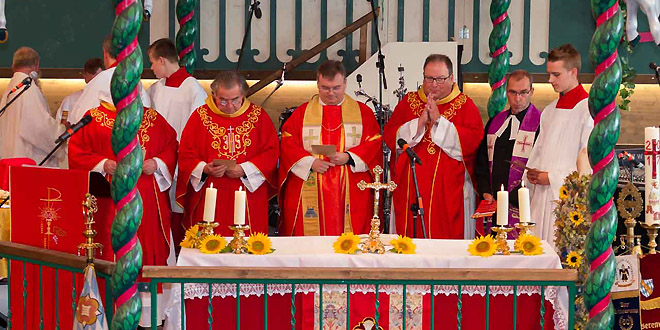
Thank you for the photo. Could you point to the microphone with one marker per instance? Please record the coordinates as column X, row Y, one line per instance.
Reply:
column 654, row 67
column 73, row 129
column 26, row 82
column 359, row 80
column 413, row 156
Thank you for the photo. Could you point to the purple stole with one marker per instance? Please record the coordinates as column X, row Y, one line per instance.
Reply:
column 521, row 150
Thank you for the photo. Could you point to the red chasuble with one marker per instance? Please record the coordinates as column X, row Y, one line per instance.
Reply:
column 248, row 135
column 440, row 177
column 158, row 140
column 329, row 203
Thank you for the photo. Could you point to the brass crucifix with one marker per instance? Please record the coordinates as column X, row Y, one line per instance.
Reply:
column 373, row 243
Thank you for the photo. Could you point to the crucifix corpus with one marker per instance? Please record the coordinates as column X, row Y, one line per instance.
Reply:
column 373, row 243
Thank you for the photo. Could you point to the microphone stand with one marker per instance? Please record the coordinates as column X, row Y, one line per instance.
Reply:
column 657, row 75
column 280, row 82
column 253, row 7
column 383, row 117
column 2, row 111
column 417, row 207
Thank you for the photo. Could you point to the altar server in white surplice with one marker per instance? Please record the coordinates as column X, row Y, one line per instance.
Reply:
column 176, row 94
column 100, row 85
column 92, row 68
column 565, row 128
column 27, row 128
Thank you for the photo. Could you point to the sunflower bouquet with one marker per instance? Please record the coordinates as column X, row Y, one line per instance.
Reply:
column 571, row 228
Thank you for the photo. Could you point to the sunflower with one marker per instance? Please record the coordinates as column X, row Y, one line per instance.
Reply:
column 483, row 246
column 192, row 237
column 346, row 243
column 529, row 245
column 563, row 193
column 212, row 244
column 576, row 218
column 403, row 245
column 574, row 260
column 259, row 243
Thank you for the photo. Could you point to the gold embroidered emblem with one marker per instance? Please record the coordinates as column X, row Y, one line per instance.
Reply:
column 230, row 142
column 148, row 119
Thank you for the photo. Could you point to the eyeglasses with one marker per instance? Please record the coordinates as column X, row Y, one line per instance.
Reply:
column 328, row 89
column 439, row 80
column 523, row 92
column 235, row 101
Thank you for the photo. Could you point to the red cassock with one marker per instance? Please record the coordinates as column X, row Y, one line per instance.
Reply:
column 440, row 177
column 157, row 138
column 247, row 135
column 329, row 203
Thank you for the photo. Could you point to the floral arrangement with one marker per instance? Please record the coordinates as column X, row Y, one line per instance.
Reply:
column 528, row 245
column 257, row 243
column 571, row 230
column 483, row 246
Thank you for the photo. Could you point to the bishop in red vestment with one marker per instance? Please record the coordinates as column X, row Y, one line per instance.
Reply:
column 319, row 194
column 228, row 128
column 445, row 133
column 91, row 150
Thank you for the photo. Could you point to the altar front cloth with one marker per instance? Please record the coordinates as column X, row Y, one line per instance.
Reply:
column 431, row 254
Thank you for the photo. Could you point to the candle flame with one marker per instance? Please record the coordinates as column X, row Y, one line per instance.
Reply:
column 502, row 188
column 240, row 188
column 523, row 183
column 211, row 185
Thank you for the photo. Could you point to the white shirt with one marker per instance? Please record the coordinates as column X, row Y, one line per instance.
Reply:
column 177, row 103
column 26, row 127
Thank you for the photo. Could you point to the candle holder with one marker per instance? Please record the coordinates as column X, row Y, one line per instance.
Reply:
column 525, row 228
column 238, row 244
column 500, row 239
column 207, row 228
column 638, row 246
column 652, row 232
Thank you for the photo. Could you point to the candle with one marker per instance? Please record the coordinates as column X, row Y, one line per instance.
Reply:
column 523, row 203
column 651, row 136
column 209, row 203
column 502, row 207
column 239, row 206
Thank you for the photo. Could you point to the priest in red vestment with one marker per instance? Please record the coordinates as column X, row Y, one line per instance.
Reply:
column 229, row 143
column 319, row 194
column 90, row 150
column 444, row 128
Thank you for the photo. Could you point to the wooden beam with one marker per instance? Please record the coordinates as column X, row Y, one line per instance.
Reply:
column 363, row 44
column 314, row 51
column 395, row 274
column 54, row 257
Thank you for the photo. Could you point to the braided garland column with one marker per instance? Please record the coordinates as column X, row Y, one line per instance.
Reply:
column 126, row 97
column 603, row 138
column 185, row 38
column 500, row 55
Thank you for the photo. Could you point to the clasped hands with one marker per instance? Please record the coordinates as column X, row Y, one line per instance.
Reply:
column 322, row 166
column 149, row 166
column 218, row 171
column 430, row 114
column 537, row 177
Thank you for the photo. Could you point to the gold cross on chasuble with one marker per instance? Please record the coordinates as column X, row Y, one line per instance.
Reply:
column 355, row 136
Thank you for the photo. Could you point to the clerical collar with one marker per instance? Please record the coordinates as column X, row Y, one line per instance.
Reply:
column 452, row 95
column 572, row 97
column 210, row 102
column 177, row 78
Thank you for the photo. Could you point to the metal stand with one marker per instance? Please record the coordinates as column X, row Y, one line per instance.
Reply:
column 417, row 207
column 239, row 244
column 254, row 11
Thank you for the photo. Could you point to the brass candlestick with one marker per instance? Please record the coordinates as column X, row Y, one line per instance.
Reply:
column 500, row 239
column 652, row 232
column 89, row 208
column 239, row 244
column 373, row 243
column 525, row 228
column 638, row 246
column 207, row 229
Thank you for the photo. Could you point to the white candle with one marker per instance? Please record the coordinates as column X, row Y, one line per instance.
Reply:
column 239, row 206
column 651, row 137
column 523, row 203
column 502, row 207
column 209, row 203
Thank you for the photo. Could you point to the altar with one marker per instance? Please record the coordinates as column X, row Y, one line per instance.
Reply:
column 301, row 252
